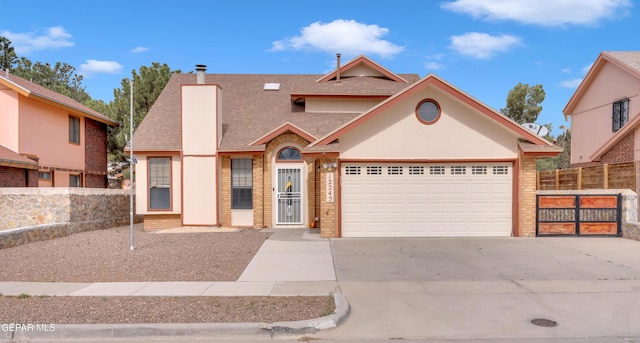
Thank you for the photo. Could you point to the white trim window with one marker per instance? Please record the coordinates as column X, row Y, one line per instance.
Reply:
column 242, row 184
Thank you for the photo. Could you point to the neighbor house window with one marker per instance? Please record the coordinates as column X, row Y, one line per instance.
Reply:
column 74, row 130
column 44, row 176
column 620, row 114
column 75, row 181
column 160, row 183
column 241, row 184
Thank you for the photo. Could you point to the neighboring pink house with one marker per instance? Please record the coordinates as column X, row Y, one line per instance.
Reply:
column 605, row 111
column 48, row 139
column 358, row 152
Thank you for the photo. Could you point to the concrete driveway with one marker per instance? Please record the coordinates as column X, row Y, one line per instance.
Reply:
column 490, row 288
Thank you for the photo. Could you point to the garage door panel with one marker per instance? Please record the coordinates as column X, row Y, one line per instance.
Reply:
column 426, row 204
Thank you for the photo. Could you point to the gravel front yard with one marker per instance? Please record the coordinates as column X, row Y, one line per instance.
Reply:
column 104, row 256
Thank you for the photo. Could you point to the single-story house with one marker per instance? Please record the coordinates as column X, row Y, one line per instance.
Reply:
column 358, row 152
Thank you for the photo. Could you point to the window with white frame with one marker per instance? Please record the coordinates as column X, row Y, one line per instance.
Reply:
column 242, row 184
column 159, row 183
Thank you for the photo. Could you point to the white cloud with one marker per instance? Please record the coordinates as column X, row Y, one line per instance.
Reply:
column 139, row 49
column 566, row 70
column 482, row 45
column 341, row 36
column 53, row 38
column 544, row 13
column 100, row 67
column 573, row 83
column 431, row 65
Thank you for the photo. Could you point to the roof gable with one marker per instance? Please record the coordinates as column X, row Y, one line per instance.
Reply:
column 627, row 61
column 432, row 80
column 284, row 128
column 35, row 91
column 627, row 128
column 362, row 66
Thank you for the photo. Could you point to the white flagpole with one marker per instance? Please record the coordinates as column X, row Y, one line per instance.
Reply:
column 131, row 164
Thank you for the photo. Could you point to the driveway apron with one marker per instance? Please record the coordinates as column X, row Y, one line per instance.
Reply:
column 445, row 288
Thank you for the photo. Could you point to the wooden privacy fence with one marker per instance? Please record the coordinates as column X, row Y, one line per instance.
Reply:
column 606, row 176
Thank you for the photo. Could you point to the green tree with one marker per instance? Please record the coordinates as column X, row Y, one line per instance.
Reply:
column 60, row 77
column 8, row 55
column 147, row 86
column 564, row 140
column 523, row 103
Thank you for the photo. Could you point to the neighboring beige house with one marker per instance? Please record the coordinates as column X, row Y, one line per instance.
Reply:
column 359, row 152
column 48, row 139
column 605, row 111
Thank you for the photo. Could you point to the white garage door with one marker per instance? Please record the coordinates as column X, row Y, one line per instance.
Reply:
column 426, row 199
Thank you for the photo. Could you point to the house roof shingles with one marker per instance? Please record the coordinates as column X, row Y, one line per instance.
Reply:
column 250, row 112
column 11, row 158
column 29, row 88
column 630, row 58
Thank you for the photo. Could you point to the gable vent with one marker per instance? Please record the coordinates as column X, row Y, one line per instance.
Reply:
column 272, row 86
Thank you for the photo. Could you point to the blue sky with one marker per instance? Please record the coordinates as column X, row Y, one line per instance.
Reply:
column 484, row 47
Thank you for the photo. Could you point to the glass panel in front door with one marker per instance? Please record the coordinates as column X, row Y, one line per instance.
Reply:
column 289, row 196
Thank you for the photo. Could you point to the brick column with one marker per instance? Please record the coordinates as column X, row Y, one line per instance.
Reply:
column 258, row 192
column 328, row 210
column 225, row 191
column 526, row 196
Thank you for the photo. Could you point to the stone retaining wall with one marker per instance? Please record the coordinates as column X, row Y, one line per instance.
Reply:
column 34, row 214
column 630, row 224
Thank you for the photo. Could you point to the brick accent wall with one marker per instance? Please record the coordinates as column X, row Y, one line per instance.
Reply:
column 18, row 177
column 95, row 154
column 526, row 196
column 154, row 222
column 621, row 152
column 225, row 191
column 329, row 210
column 258, row 192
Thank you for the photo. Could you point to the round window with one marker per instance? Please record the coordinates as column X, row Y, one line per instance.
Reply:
column 428, row 111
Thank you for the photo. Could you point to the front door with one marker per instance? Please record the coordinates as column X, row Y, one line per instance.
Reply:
column 289, row 195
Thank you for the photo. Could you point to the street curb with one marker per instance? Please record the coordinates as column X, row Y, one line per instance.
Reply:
column 83, row 332
column 342, row 311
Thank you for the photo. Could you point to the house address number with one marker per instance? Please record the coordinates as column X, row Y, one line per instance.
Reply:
column 330, row 187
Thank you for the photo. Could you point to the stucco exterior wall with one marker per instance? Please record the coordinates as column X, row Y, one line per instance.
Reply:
column 460, row 133
column 9, row 119
column 591, row 120
column 199, row 118
column 44, row 132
